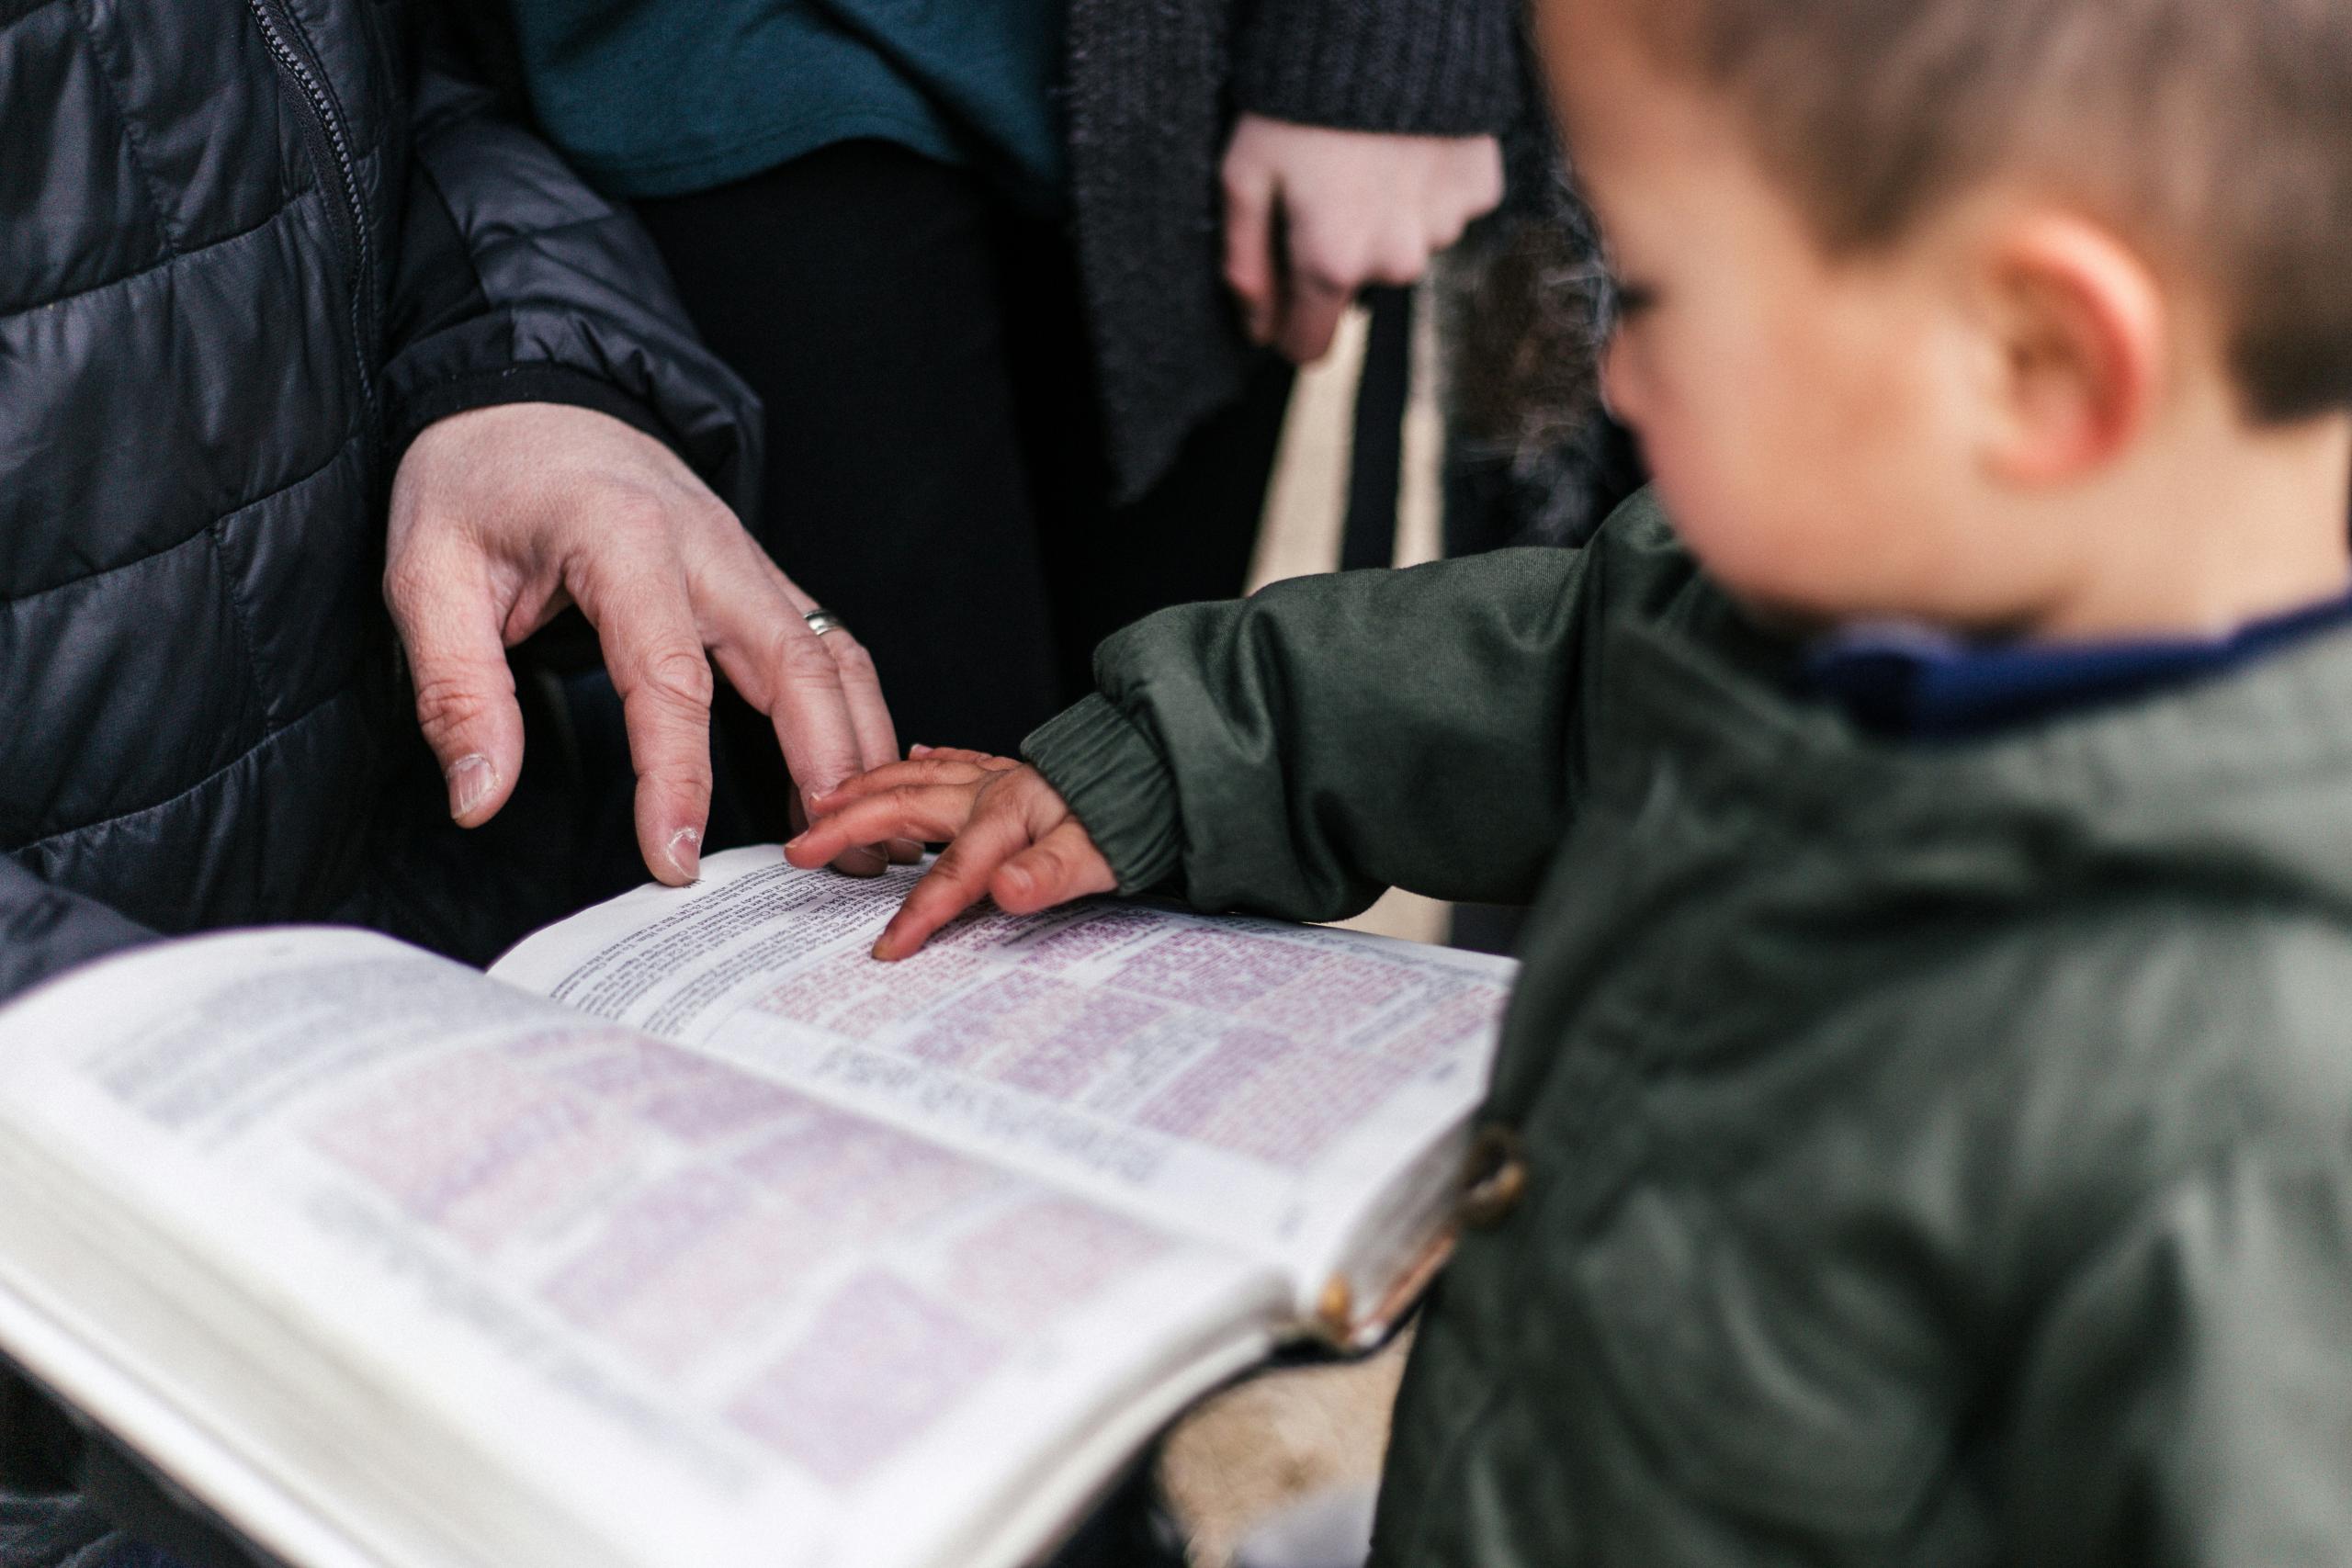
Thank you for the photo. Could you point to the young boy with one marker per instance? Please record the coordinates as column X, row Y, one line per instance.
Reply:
column 1923, row 1132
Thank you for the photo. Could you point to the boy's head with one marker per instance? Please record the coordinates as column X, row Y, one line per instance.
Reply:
column 2010, row 314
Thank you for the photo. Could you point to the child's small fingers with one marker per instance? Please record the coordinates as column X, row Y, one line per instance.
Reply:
column 957, row 880
column 863, row 860
column 988, row 759
column 857, row 786
column 936, row 900
column 923, row 813
column 897, row 775
column 904, row 851
column 877, row 822
column 1061, row 866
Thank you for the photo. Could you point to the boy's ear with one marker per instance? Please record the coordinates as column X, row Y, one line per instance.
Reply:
column 2079, row 327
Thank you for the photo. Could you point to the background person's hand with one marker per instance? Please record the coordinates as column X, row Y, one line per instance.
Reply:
column 1015, row 839
column 1313, row 214
column 502, row 517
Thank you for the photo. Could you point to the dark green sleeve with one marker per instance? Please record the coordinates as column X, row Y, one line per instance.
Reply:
column 1300, row 751
column 2188, row 1399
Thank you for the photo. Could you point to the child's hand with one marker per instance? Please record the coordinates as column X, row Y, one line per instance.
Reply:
column 1014, row 840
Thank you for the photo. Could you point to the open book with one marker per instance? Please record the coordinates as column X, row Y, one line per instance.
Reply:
column 694, row 1236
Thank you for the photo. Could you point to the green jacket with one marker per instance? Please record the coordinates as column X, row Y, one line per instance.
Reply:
column 1933, row 1154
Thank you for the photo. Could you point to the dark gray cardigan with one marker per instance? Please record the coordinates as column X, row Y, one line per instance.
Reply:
column 1153, row 88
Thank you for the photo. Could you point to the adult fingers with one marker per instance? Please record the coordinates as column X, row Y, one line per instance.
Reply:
column 878, row 738
column 639, row 600
column 1061, row 866
column 1482, row 190
column 996, row 832
column 861, row 682
column 1401, row 267
column 1321, row 276
column 907, row 811
column 1250, row 270
column 756, row 632
column 870, row 721
column 1313, row 304
column 869, row 714
column 445, row 606
column 1466, row 183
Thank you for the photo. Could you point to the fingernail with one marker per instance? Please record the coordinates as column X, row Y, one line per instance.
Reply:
column 876, row 952
column 795, row 842
column 919, row 752
column 471, row 780
column 685, row 853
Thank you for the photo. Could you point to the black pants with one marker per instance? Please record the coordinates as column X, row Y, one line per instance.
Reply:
column 935, row 468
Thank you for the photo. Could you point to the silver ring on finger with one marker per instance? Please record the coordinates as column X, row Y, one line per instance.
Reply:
column 821, row 620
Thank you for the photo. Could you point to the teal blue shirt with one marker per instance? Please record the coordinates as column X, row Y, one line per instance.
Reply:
column 658, row 98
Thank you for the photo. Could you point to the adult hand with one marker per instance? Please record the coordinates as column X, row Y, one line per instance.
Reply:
column 502, row 517
column 1015, row 839
column 1312, row 215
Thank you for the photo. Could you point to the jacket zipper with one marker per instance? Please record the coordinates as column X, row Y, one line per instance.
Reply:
column 330, row 149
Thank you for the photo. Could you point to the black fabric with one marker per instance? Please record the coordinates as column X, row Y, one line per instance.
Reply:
column 1376, row 447
column 146, row 1507
column 1131, row 1527
column 39, row 1446
column 1429, row 70
column 44, row 929
column 933, row 456
column 241, row 243
column 241, row 247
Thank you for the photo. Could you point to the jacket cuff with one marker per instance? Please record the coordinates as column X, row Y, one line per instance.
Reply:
column 1117, row 784
column 541, row 383
column 1451, row 69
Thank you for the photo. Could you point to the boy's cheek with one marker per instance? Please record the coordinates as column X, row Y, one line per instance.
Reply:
column 1764, row 530
column 1621, row 390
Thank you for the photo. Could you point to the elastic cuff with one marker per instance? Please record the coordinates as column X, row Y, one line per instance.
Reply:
column 1117, row 785
column 1405, row 67
column 539, row 383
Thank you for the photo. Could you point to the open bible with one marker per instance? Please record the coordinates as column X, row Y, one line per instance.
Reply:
column 691, row 1235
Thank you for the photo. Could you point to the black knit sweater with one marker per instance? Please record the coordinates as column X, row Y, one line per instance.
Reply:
column 1153, row 88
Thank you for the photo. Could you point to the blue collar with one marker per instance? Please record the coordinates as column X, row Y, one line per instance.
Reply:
column 1928, row 685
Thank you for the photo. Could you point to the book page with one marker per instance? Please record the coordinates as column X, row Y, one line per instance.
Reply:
column 463, row 1245
column 1247, row 1080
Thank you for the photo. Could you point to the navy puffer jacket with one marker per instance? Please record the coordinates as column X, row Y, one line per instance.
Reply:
column 247, row 249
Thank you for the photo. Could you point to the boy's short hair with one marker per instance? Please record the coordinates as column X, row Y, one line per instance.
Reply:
column 2216, row 133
